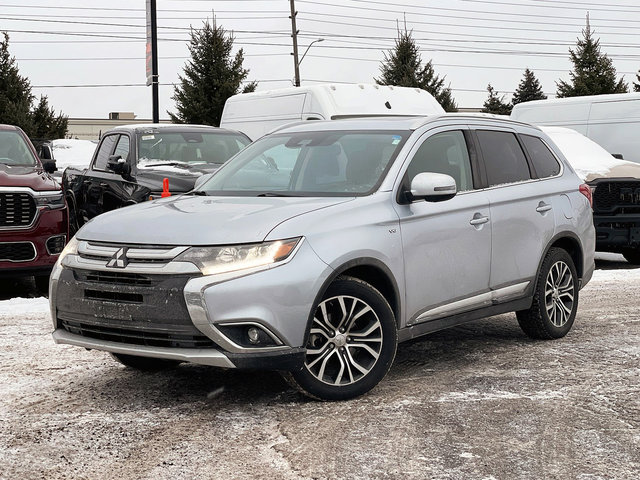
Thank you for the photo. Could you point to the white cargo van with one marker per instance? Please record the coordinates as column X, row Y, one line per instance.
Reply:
column 257, row 113
column 612, row 121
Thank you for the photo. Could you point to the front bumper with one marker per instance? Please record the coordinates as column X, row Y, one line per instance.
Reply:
column 182, row 316
column 49, row 224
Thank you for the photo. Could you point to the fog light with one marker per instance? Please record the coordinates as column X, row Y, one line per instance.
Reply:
column 254, row 335
column 56, row 244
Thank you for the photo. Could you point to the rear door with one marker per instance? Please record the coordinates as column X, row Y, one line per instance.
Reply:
column 522, row 217
column 447, row 244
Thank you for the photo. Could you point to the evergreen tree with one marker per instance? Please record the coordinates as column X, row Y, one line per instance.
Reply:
column 636, row 86
column 528, row 89
column 15, row 91
column 402, row 67
column 495, row 104
column 210, row 77
column 46, row 125
column 593, row 72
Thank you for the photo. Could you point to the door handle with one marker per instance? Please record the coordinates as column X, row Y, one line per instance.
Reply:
column 478, row 219
column 104, row 185
column 543, row 207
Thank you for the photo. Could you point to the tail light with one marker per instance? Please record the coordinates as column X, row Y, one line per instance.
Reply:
column 586, row 191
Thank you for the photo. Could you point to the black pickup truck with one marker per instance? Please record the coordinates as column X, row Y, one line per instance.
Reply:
column 616, row 216
column 131, row 163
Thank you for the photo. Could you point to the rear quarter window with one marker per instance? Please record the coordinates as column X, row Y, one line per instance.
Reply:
column 503, row 157
column 543, row 160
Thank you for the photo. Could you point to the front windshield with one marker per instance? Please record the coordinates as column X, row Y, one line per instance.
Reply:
column 309, row 164
column 161, row 148
column 14, row 150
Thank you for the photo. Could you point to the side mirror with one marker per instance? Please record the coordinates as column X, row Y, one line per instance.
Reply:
column 49, row 166
column 118, row 165
column 45, row 152
column 432, row 187
column 619, row 156
column 201, row 180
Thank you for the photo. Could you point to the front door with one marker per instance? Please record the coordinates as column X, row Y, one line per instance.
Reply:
column 447, row 244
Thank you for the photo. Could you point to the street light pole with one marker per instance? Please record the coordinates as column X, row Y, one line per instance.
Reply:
column 305, row 52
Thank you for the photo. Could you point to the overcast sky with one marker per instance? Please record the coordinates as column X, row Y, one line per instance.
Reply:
column 472, row 42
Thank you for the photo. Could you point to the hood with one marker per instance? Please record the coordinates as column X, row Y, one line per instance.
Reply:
column 626, row 170
column 33, row 177
column 195, row 220
column 182, row 176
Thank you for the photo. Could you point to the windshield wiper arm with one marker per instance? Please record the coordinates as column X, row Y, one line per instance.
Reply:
column 275, row 194
column 201, row 193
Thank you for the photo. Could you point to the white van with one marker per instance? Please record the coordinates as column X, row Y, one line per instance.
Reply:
column 612, row 121
column 257, row 113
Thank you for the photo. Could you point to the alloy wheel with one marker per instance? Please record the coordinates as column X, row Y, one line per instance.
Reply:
column 559, row 293
column 345, row 341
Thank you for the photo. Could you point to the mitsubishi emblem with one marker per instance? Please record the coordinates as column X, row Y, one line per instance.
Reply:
column 119, row 259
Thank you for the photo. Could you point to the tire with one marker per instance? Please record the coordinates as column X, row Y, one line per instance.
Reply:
column 555, row 300
column 145, row 364
column 632, row 256
column 351, row 344
column 42, row 284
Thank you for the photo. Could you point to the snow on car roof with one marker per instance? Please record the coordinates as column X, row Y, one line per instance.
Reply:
column 588, row 159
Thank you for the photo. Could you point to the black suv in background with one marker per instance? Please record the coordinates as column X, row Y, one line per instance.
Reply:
column 132, row 161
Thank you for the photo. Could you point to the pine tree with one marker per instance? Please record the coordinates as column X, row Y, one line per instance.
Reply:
column 46, row 125
column 529, row 89
column 495, row 104
column 636, row 86
column 210, row 77
column 402, row 67
column 593, row 71
column 15, row 91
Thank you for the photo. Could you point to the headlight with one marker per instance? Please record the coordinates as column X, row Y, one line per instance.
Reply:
column 212, row 260
column 52, row 200
column 70, row 249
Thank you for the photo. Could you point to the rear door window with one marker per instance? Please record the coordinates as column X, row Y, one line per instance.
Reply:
column 504, row 159
column 106, row 147
column 543, row 160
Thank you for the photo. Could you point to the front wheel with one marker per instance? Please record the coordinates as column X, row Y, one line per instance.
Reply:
column 351, row 345
column 555, row 300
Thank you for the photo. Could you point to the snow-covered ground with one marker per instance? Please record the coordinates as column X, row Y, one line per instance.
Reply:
column 73, row 153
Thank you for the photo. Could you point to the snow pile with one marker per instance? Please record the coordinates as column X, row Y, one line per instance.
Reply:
column 73, row 153
column 587, row 158
column 20, row 306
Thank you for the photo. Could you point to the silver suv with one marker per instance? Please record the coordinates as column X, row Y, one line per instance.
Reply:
column 319, row 247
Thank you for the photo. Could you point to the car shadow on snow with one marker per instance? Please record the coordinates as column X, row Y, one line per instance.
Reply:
column 195, row 387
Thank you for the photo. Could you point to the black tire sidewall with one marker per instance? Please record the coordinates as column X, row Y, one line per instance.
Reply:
column 310, row 385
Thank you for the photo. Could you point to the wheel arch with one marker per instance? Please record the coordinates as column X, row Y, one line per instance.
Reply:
column 570, row 243
column 370, row 270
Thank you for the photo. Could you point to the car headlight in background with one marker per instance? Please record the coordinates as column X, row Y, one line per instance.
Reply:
column 213, row 260
column 53, row 200
column 70, row 249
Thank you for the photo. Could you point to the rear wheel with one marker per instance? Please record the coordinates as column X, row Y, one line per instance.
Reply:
column 632, row 256
column 351, row 344
column 555, row 300
column 145, row 364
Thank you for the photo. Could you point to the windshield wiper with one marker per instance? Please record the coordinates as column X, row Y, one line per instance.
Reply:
column 276, row 194
column 201, row 193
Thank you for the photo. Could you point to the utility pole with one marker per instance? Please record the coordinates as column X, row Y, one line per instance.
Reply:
column 294, row 35
column 152, row 57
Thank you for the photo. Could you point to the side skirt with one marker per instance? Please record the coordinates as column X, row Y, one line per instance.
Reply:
column 431, row 326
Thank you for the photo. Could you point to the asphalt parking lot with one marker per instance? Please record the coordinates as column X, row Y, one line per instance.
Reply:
column 478, row 401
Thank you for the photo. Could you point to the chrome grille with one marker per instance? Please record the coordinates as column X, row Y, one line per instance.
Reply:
column 16, row 209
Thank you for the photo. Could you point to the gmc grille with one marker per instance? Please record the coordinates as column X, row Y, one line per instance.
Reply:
column 623, row 197
column 16, row 209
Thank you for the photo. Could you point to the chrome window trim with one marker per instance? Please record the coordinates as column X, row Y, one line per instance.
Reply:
column 35, row 253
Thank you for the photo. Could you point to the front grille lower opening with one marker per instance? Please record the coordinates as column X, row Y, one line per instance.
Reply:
column 138, row 337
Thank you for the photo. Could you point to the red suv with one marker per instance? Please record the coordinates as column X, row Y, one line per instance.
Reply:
column 33, row 213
